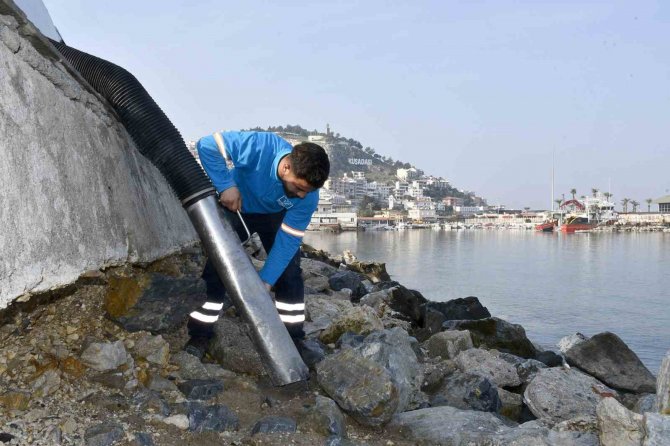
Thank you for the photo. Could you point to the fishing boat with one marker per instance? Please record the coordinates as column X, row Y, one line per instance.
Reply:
column 547, row 226
column 575, row 223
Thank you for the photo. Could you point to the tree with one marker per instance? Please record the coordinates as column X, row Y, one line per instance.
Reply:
column 607, row 195
column 635, row 205
column 558, row 202
column 648, row 200
column 573, row 192
column 594, row 191
column 624, row 203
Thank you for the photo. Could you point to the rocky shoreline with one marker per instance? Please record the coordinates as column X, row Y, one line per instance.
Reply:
column 101, row 363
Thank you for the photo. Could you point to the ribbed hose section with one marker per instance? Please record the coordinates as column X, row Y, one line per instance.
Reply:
column 155, row 136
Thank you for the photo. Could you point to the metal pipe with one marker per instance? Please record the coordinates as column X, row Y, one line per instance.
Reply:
column 279, row 354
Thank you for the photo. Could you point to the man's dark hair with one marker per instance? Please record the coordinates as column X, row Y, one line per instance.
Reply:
column 310, row 162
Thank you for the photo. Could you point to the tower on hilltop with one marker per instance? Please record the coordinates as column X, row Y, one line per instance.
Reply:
column 327, row 129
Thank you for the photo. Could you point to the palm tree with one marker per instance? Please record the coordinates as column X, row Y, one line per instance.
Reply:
column 635, row 205
column 648, row 200
column 573, row 192
column 607, row 195
column 624, row 203
column 594, row 191
column 558, row 202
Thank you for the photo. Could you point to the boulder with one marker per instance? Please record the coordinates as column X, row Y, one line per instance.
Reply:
column 190, row 367
column 315, row 268
column 201, row 389
column 153, row 348
column 467, row 391
column 360, row 386
column 525, row 368
column 447, row 426
column 511, row 404
column 489, row 365
column 408, row 303
column 309, row 252
column 663, row 386
column 448, row 344
column 349, row 280
column 495, row 333
column 657, row 428
column 609, row 359
column 645, row 403
column 320, row 311
column 558, row 394
column 153, row 302
column 274, row 424
column 215, row 418
column 233, row 348
column 324, row 418
column 104, row 434
column 468, row 308
column 392, row 349
column 567, row 342
column 434, row 374
column 358, row 320
column 618, row 425
column 316, row 285
column 374, row 271
column 103, row 356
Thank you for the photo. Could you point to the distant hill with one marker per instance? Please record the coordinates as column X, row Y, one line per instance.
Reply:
column 347, row 155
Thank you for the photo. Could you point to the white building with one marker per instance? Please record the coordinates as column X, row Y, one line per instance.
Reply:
column 408, row 174
column 421, row 214
column 468, row 210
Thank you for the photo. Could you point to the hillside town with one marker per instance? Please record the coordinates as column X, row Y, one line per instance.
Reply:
column 368, row 191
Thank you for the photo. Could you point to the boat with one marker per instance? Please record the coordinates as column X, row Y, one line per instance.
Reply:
column 547, row 226
column 575, row 223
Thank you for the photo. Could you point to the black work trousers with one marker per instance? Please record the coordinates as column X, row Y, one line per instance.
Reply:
column 289, row 289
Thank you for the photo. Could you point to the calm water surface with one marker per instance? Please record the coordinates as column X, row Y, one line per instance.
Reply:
column 552, row 284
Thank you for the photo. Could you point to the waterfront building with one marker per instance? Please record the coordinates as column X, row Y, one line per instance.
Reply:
column 453, row 201
column 663, row 204
column 408, row 174
column 468, row 210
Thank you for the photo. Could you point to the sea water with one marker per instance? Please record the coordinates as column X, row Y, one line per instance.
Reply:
column 553, row 285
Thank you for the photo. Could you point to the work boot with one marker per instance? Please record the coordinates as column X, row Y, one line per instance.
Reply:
column 197, row 346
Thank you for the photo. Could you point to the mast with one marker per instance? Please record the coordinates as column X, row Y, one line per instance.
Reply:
column 552, row 184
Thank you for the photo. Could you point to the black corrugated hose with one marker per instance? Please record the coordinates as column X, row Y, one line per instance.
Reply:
column 155, row 136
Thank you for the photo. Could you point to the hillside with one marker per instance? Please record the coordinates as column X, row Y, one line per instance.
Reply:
column 348, row 154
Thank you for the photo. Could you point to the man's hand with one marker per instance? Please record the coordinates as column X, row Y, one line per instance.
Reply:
column 231, row 199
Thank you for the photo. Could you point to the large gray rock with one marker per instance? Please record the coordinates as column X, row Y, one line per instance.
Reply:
column 153, row 348
column 567, row 342
column 104, row 434
column 489, row 365
column 618, row 425
column 153, row 302
column 657, row 428
column 663, row 386
column 103, row 356
column 511, row 404
column 496, row 334
column 350, row 280
column 315, row 268
column 448, row 344
column 358, row 320
column 233, row 348
column 525, row 368
column 392, row 349
column 321, row 310
column 557, row 394
column 317, row 284
column 448, row 426
column 324, row 418
column 609, row 359
column 468, row 308
column 360, row 386
column 407, row 302
column 467, row 391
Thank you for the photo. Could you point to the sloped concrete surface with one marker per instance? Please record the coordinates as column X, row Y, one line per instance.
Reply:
column 76, row 195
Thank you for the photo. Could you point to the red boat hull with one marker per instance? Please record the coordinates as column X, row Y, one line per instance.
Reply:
column 572, row 227
column 545, row 227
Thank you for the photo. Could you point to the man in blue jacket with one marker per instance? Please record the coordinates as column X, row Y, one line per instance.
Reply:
column 275, row 187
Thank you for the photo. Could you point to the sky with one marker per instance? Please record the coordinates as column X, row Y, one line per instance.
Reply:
column 483, row 93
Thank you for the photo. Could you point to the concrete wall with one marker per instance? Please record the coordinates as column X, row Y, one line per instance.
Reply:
column 75, row 194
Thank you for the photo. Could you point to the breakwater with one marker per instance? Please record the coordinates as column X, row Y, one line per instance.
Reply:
column 103, row 365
